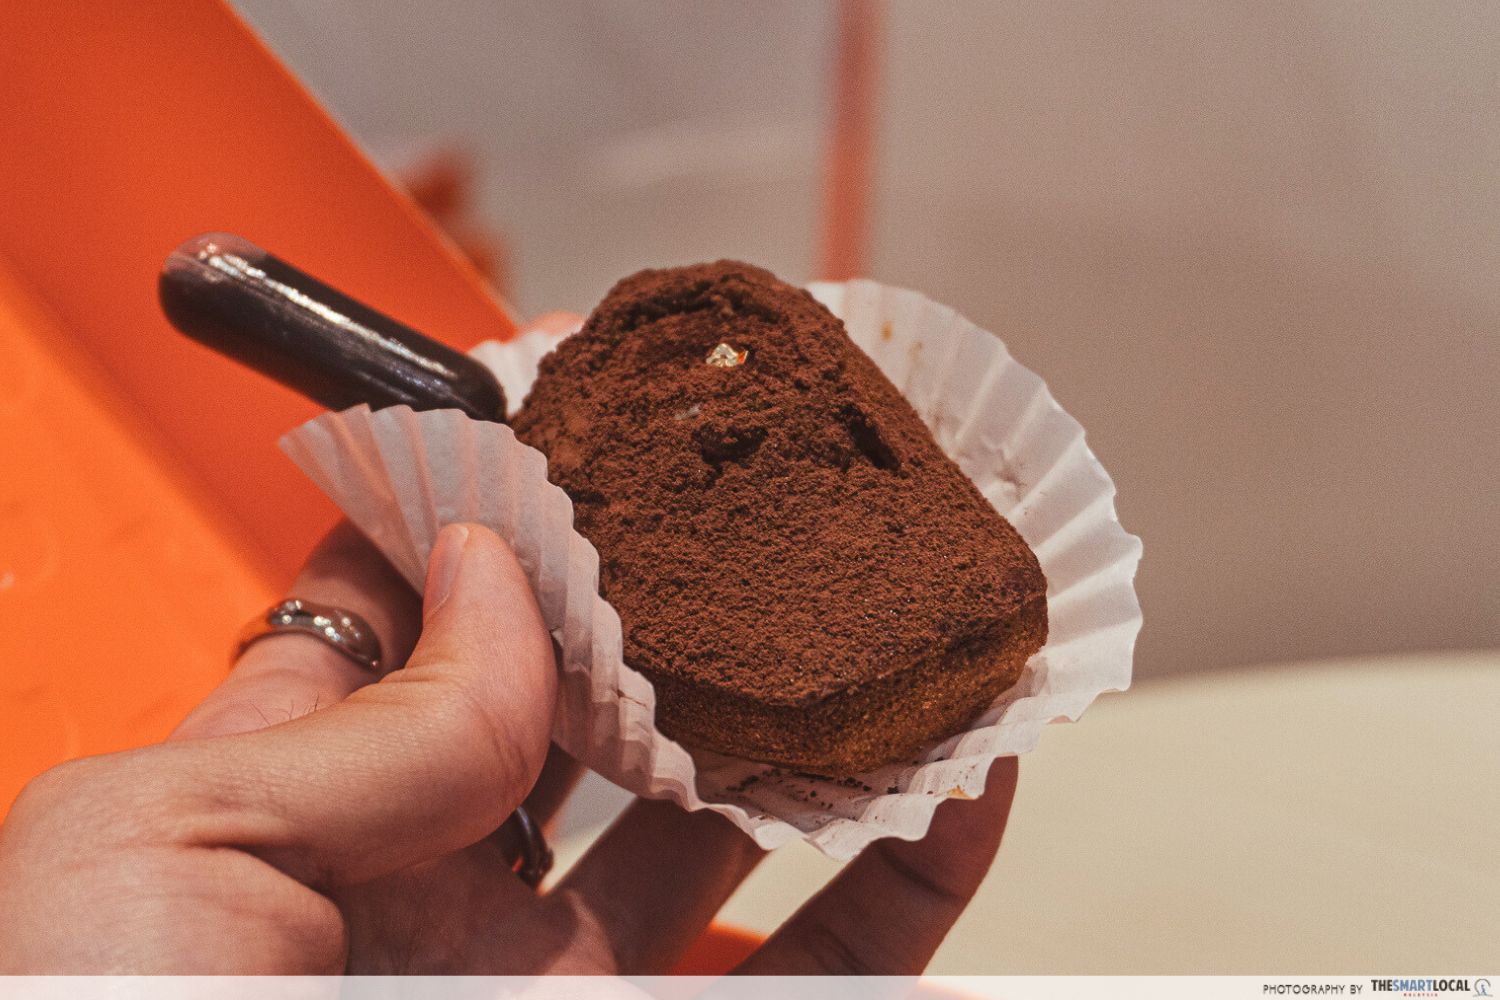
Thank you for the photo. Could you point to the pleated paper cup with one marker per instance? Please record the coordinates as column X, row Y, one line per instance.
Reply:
column 400, row 476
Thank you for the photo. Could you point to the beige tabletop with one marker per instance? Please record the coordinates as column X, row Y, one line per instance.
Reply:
column 1336, row 817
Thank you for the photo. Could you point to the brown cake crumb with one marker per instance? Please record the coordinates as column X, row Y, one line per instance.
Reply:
column 800, row 571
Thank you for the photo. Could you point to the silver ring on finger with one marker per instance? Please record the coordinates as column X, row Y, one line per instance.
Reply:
column 344, row 630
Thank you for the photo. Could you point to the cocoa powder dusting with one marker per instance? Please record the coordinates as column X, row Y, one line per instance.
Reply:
column 776, row 532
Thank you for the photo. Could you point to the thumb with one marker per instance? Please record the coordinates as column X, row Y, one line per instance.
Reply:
column 430, row 760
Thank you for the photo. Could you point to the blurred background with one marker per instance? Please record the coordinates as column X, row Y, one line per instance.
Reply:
column 1253, row 247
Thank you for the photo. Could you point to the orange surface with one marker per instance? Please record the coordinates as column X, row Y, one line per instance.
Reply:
column 118, row 593
column 849, row 163
column 717, row 950
column 145, row 512
column 127, row 127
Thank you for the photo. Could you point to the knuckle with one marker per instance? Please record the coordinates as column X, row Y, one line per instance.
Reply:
column 71, row 785
column 138, row 796
column 52, row 786
column 72, row 803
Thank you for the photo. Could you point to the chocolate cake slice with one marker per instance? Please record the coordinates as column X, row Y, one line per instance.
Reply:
column 802, row 574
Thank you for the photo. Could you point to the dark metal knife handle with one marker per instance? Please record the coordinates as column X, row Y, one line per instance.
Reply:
column 226, row 292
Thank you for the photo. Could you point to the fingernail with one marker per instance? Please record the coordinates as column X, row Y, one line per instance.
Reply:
column 443, row 565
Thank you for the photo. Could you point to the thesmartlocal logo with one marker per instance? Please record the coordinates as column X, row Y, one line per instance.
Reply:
column 1432, row 987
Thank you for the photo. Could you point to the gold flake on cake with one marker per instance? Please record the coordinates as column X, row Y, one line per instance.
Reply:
column 725, row 356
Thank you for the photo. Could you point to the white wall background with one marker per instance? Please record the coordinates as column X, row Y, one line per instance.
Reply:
column 1254, row 247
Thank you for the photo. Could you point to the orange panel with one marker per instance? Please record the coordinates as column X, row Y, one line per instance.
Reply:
column 144, row 510
column 118, row 594
column 126, row 127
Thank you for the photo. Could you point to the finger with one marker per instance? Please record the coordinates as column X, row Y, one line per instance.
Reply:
column 887, row 912
column 284, row 676
column 464, row 913
column 429, row 760
column 652, row 883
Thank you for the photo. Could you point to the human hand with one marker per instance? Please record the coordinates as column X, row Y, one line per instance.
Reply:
column 309, row 817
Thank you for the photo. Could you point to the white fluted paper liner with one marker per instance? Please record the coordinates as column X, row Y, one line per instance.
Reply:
column 400, row 476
